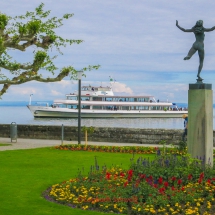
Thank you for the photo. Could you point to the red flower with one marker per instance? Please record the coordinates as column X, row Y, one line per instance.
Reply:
column 165, row 184
column 160, row 180
column 179, row 181
column 150, row 177
column 108, row 175
column 173, row 188
column 130, row 172
column 200, row 180
column 208, row 181
column 122, row 174
column 202, row 175
column 161, row 190
column 126, row 183
column 182, row 188
column 155, row 185
column 142, row 176
column 190, row 177
column 173, row 178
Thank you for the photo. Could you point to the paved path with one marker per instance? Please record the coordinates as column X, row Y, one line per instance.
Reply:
column 38, row 143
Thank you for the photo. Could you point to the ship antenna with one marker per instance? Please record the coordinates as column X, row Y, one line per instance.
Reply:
column 111, row 81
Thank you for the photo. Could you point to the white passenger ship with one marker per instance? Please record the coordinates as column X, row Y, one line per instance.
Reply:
column 100, row 102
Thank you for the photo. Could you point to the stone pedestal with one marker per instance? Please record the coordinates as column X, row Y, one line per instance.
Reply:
column 200, row 122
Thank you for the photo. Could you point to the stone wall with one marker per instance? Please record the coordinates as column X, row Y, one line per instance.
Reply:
column 118, row 135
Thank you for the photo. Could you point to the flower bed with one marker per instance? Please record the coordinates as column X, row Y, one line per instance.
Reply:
column 121, row 149
column 167, row 185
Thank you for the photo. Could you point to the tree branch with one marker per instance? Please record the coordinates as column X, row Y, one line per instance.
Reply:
column 23, row 79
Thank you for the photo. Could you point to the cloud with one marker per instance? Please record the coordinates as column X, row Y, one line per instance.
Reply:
column 19, row 90
column 121, row 88
column 55, row 93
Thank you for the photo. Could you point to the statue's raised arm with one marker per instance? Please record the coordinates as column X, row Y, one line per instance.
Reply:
column 185, row 30
column 209, row 29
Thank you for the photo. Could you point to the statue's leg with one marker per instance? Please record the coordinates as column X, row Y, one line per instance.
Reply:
column 201, row 60
column 190, row 53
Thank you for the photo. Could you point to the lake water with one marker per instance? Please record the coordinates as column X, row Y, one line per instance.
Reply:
column 19, row 113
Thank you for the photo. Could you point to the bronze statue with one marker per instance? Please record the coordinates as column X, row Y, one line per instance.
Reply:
column 198, row 45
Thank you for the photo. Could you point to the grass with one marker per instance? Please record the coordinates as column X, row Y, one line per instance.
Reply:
column 25, row 174
column 5, row 144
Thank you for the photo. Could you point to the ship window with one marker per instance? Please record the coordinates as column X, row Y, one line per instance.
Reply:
column 125, row 108
column 141, row 99
column 109, row 99
column 122, row 99
column 85, row 107
column 97, row 98
column 107, row 107
column 87, row 98
column 154, row 107
column 97, row 107
column 61, row 105
column 134, row 108
column 71, row 97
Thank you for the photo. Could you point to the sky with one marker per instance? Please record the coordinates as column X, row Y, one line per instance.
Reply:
column 136, row 42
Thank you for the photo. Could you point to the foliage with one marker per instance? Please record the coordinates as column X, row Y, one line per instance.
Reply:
column 171, row 186
column 90, row 129
column 182, row 146
column 36, row 30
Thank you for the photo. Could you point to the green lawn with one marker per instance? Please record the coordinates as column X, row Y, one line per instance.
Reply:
column 5, row 144
column 25, row 174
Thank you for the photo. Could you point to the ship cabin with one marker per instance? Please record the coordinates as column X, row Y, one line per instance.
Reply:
column 102, row 98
